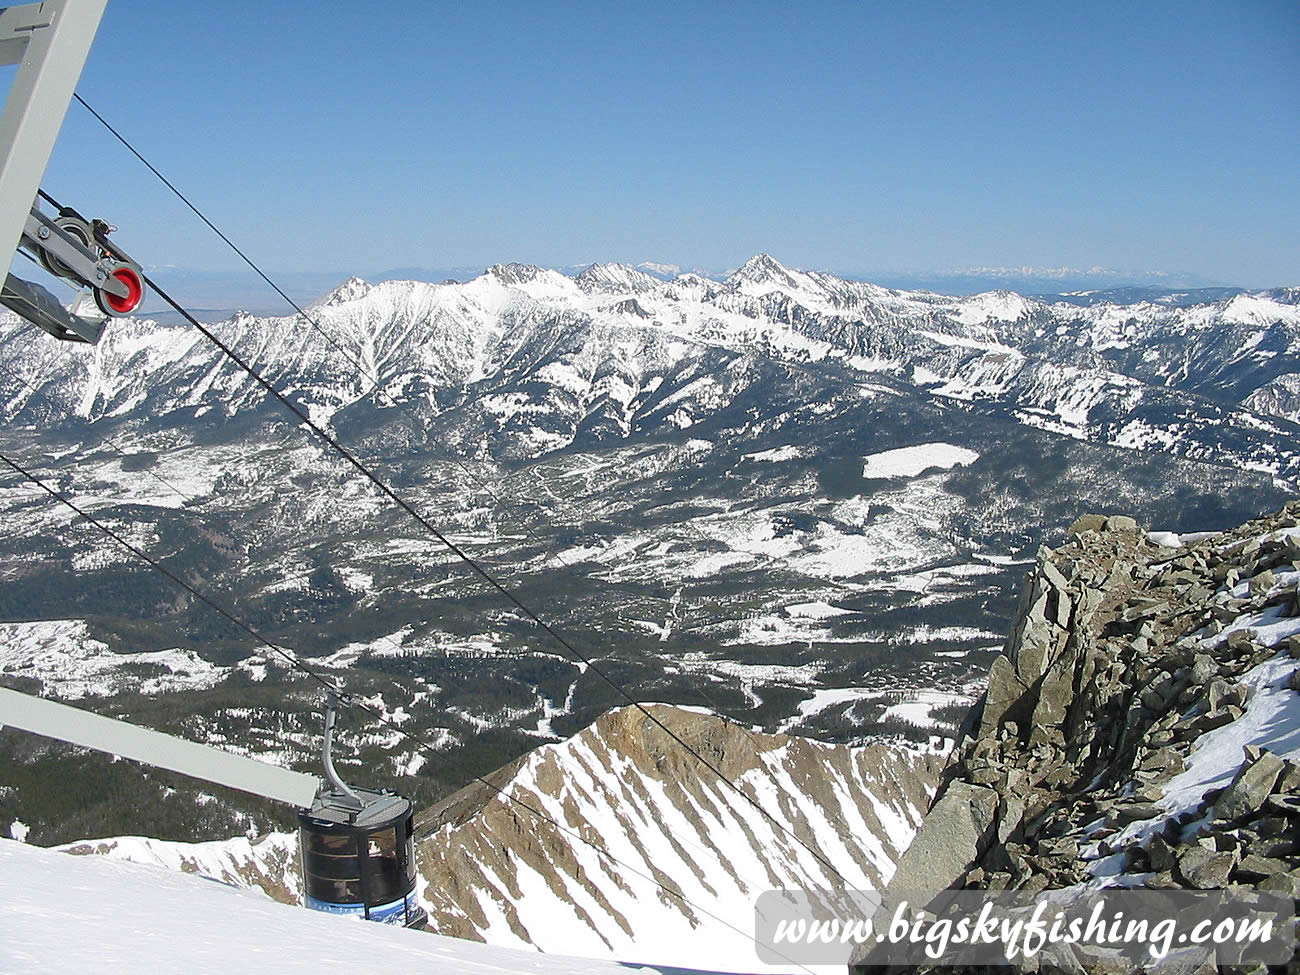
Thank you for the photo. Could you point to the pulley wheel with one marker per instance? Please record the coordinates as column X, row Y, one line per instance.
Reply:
column 79, row 231
column 111, row 304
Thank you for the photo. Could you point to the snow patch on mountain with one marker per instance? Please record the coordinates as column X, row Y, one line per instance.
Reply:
column 993, row 306
column 911, row 461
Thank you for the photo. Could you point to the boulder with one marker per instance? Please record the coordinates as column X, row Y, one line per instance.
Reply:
column 954, row 834
column 1205, row 869
column 1087, row 523
column 1250, row 788
column 1254, row 867
column 1004, row 690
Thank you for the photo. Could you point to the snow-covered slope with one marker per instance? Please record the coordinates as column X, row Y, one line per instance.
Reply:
column 90, row 914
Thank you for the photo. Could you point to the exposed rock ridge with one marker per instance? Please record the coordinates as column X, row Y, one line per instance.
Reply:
column 498, row 874
column 1085, row 761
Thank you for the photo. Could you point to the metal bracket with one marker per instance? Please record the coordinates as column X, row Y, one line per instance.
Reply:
column 42, row 234
column 39, row 307
column 89, row 730
column 340, row 789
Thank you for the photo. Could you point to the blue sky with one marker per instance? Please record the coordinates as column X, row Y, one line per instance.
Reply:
column 855, row 137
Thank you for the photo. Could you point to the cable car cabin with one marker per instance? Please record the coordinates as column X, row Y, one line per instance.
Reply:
column 361, row 860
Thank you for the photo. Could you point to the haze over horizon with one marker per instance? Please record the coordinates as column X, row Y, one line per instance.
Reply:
column 873, row 143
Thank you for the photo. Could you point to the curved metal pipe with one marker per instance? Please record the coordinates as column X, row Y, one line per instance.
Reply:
column 331, row 709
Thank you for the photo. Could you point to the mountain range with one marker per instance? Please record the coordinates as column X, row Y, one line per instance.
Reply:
column 797, row 500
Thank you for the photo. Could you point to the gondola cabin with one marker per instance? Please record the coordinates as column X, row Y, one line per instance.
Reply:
column 360, row 859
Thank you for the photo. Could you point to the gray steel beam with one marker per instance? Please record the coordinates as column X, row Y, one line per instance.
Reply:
column 78, row 727
column 52, row 40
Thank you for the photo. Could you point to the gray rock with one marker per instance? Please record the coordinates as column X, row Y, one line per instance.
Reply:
column 1087, row 523
column 1165, row 761
column 954, row 835
column 1254, row 867
column 1285, row 884
column 1262, row 583
column 1010, row 814
column 1273, row 826
column 1286, row 805
column 1222, row 693
column 1050, row 572
column 1206, row 722
column 1205, row 869
column 1133, row 812
column 1250, row 789
column 1241, row 640
column 1203, row 669
column 1121, row 523
column 1162, row 880
column 1289, row 780
column 1034, row 650
column 1004, row 690
column 1160, row 854
column 1160, row 692
column 1054, row 697
column 1224, row 613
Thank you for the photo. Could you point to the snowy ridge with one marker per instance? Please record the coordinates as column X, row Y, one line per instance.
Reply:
column 624, row 784
column 545, row 359
column 268, row 863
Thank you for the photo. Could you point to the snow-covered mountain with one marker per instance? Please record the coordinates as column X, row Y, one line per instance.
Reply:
column 796, row 500
column 491, row 871
column 536, row 361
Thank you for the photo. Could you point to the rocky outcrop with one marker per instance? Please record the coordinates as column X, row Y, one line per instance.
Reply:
column 1142, row 726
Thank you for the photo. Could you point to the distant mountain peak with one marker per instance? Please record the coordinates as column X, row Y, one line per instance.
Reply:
column 353, row 289
column 616, row 276
column 762, row 267
column 515, row 273
column 659, row 270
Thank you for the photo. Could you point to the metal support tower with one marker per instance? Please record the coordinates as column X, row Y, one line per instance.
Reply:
column 50, row 41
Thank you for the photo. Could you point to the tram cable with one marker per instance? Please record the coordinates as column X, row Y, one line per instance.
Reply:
column 373, row 378
column 139, row 553
column 388, row 492
column 378, row 716
column 338, row 346
column 477, row 569
column 213, row 227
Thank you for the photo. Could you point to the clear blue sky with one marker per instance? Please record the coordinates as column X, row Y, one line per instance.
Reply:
column 850, row 136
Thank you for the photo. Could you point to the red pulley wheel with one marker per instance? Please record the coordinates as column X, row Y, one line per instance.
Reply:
column 113, row 304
